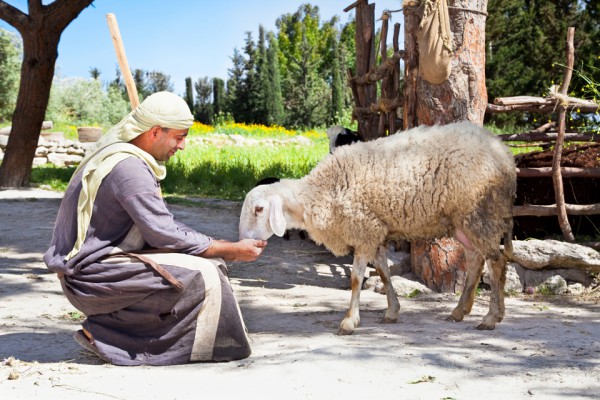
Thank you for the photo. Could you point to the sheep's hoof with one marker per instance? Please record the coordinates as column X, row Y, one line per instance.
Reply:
column 489, row 322
column 486, row 327
column 455, row 317
column 346, row 327
column 342, row 332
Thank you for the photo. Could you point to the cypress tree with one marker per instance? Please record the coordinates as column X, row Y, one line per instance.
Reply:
column 337, row 90
column 262, row 95
column 218, row 98
column 203, row 109
column 249, row 86
column 189, row 93
column 275, row 110
column 235, row 91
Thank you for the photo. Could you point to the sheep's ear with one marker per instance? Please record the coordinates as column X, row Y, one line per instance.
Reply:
column 276, row 218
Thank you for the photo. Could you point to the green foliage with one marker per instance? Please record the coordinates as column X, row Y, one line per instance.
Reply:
column 203, row 111
column 218, row 97
column 83, row 102
column 10, row 63
column 293, row 77
column 526, row 41
column 189, row 93
column 148, row 82
column 413, row 294
column 337, row 86
column 275, row 112
column 52, row 177
column 588, row 77
column 302, row 42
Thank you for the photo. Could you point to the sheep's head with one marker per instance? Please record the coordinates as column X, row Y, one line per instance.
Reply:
column 262, row 213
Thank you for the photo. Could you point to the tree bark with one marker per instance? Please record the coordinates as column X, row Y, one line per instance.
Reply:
column 40, row 32
column 462, row 96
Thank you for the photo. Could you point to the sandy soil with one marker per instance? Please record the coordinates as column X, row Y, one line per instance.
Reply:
column 292, row 300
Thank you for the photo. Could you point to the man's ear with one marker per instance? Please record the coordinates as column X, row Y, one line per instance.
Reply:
column 154, row 131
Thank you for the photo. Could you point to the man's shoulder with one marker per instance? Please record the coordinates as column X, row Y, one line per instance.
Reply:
column 131, row 166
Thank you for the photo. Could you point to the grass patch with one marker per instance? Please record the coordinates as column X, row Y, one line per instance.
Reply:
column 52, row 177
column 229, row 172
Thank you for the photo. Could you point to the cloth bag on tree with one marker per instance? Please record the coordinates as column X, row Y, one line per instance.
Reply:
column 435, row 41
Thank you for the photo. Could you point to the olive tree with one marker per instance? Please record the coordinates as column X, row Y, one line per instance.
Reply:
column 40, row 31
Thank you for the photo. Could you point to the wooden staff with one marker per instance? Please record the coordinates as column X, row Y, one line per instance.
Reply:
column 122, row 58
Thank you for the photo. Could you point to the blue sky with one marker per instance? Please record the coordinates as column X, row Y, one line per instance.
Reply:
column 181, row 38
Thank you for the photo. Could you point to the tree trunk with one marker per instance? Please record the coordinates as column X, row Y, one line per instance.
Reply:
column 37, row 72
column 40, row 31
column 441, row 263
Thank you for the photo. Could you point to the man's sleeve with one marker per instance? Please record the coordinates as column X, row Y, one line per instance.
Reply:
column 138, row 192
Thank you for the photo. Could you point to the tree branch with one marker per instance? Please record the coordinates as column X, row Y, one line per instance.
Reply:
column 13, row 16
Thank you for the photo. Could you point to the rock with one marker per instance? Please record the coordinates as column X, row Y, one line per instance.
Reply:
column 535, row 278
column 37, row 161
column 63, row 159
column 519, row 279
column 403, row 286
column 53, row 136
column 76, row 151
column 576, row 289
column 513, row 282
column 553, row 285
column 41, row 151
column 553, row 254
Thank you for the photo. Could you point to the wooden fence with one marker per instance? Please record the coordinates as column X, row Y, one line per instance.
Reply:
column 558, row 102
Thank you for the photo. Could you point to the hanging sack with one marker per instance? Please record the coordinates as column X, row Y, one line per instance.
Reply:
column 435, row 41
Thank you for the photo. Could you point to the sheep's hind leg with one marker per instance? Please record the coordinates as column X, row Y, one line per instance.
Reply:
column 391, row 315
column 497, row 269
column 474, row 270
column 352, row 319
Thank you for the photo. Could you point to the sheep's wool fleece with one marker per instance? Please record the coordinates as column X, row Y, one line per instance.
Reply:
column 422, row 183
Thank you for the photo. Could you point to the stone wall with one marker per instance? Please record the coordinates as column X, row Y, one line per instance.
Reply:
column 53, row 148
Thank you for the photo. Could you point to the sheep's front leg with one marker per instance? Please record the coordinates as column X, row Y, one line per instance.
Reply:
column 474, row 270
column 391, row 315
column 352, row 319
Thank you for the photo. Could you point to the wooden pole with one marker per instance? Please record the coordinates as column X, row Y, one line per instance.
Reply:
column 134, row 100
column 563, row 221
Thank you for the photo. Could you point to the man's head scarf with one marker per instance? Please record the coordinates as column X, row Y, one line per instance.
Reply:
column 163, row 109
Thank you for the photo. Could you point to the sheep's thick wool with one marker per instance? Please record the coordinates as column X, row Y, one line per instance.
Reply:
column 422, row 183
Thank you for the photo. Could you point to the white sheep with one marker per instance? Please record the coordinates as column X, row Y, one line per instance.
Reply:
column 429, row 182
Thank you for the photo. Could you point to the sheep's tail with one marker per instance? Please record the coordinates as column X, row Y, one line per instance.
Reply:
column 508, row 246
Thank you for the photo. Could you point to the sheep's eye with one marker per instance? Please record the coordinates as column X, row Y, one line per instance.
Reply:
column 258, row 210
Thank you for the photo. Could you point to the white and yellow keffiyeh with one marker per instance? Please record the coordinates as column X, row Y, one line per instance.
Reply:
column 162, row 109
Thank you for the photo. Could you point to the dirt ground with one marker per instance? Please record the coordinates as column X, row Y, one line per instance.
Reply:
column 292, row 300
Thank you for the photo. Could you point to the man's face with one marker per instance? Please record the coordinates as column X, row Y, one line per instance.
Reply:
column 167, row 142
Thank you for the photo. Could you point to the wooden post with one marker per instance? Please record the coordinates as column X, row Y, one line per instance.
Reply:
column 134, row 100
column 376, row 116
column 411, row 68
column 441, row 263
column 559, row 194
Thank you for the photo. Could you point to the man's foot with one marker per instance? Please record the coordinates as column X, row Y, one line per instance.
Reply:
column 84, row 339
